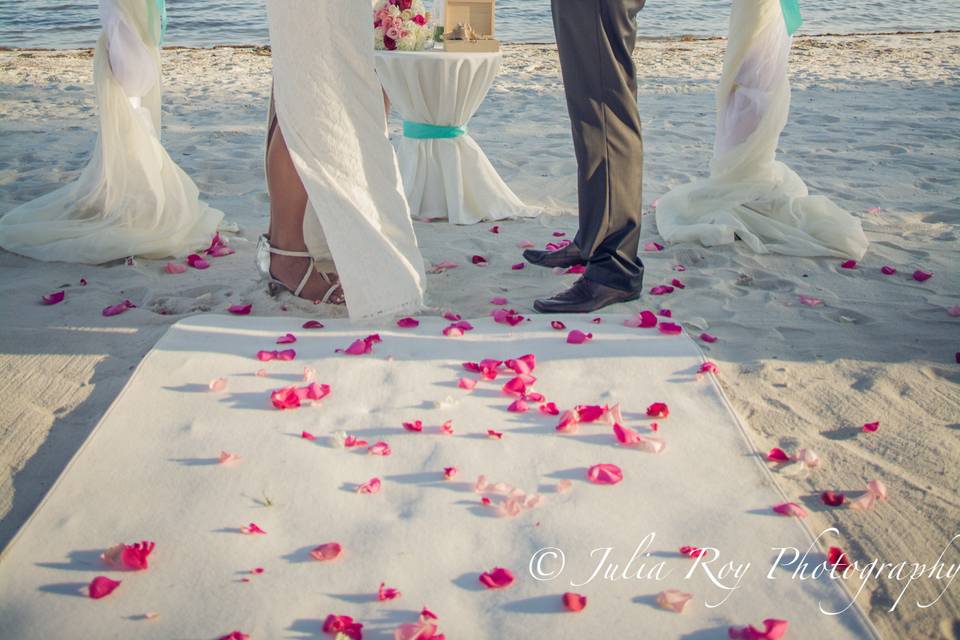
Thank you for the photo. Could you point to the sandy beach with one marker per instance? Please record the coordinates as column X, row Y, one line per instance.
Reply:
column 875, row 125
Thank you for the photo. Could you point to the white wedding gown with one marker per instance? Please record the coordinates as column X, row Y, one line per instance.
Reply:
column 749, row 194
column 131, row 199
column 329, row 107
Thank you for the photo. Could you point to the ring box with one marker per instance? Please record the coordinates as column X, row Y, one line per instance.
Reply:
column 480, row 15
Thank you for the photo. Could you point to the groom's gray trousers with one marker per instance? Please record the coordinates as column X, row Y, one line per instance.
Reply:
column 595, row 39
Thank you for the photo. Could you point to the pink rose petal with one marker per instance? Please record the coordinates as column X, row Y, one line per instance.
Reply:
column 778, row 455
column 240, row 309
column 670, row 329
column 559, row 326
column 810, row 301
column 549, row 409
column 574, row 602
column 578, row 337
column 370, row 486
column 197, row 262
column 174, row 269
column 706, row 337
column 653, row 246
column 338, row 626
column 661, row 290
column 235, row 635
column 518, row 406
column 693, row 552
column 54, row 298
column 665, row 313
column 288, row 338
column 313, row 324
column 408, row 323
column 644, row 320
column 444, row 266
column 871, row 427
column 518, row 266
column 605, row 474
column 849, row 264
column 569, row 422
column 385, row 593
column 887, row 270
column 327, row 551
column 480, row 261
column 922, row 276
column 306, row 435
column 773, row 629
column 790, row 509
column 467, row 383
column 497, row 578
column 117, row 309
column 526, row 244
column 416, row 426
column 499, row 300
column 495, row 229
column 708, row 367
column 379, row 449
column 576, row 269
column 449, row 473
column 658, row 410
column 229, row 458
column 101, row 587
column 494, row 435
column 252, row 529
column 673, row 600
column 363, row 346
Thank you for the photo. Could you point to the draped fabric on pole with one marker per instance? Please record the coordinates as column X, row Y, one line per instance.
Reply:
column 330, row 109
column 131, row 198
column 749, row 194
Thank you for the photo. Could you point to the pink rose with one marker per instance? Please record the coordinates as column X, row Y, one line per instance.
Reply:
column 393, row 33
column 419, row 19
column 389, row 43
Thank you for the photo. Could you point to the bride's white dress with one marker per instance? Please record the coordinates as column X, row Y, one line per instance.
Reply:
column 330, row 109
column 749, row 194
column 131, row 198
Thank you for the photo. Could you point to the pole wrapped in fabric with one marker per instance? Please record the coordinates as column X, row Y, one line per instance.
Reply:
column 427, row 131
column 791, row 15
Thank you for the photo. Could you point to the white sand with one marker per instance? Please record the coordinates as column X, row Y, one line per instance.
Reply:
column 874, row 124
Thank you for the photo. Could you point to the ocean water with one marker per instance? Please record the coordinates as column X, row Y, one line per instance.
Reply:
column 203, row 23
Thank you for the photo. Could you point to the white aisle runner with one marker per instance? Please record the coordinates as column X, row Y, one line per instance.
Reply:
column 149, row 472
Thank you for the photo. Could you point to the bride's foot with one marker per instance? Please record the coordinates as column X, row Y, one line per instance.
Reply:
column 289, row 272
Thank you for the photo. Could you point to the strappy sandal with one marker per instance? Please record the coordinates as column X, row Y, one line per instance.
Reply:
column 334, row 293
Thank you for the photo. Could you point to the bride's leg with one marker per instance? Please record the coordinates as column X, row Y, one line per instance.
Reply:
column 288, row 204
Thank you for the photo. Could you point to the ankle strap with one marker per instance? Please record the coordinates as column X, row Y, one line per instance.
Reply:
column 292, row 254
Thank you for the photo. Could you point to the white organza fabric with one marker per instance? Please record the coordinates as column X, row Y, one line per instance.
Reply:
column 749, row 194
column 330, row 109
column 131, row 199
column 447, row 178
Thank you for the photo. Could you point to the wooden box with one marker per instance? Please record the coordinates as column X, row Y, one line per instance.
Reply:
column 479, row 14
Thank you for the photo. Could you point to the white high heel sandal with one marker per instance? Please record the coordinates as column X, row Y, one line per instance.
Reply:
column 275, row 287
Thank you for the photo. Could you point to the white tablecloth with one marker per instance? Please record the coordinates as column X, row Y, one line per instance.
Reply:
column 451, row 177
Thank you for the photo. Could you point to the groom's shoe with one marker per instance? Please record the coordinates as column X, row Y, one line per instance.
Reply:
column 583, row 297
column 569, row 256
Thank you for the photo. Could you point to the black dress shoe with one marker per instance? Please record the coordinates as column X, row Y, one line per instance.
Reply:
column 569, row 256
column 583, row 297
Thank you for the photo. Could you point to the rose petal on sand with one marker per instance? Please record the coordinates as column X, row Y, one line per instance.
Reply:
column 101, row 587
column 658, row 410
column 117, row 309
column 240, row 309
column 252, row 529
column 605, row 474
column 778, row 455
column 644, row 320
column 564, row 486
column 864, row 502
column 576, row 269
column 518, row 406
column 809, row 301
column 370, row 486
column 385, row 593
column 494, row 435
column 832, row 498
column 653, row 246
column 849, row 264
column 217, row 384
column 808, row 457
column 709, row 367
column 954, row 311
column 54, row 298
column 559, row 326
column 790, row 509
column 871, row 427
column 349, row 442
column 335, row 625
column 229, row 458
column 313, row 324
column 379, row 449
column 453, row 331
column 569, row 422
column 408, row 323
column 693, row 552
column 670, row 329
column 877, row 489
column 363, row 346
column 449, row 473
column 679, row 285
column 287, row 338
column 526, row 244
column 467, row 383
column 416, row 426
column 837, row 558
column 887, row 270
column 173, row 268
column 327, row 551
column 235, row 635
column 673, row 600
column 518, row 266
column 499, row 300
column 515, row 387
column 129, row 556
column 306, row 435
column 507, row 316
column 665, row 313
column 773, row 629
column 478, row 260
column 661, row 290
column 574, row 602
column 706, row 337
column 578, row 337
column 549, row 409
column 495, row 229
column 497, row 578
column 197, row 262
column 922, row 276
column 445, row 265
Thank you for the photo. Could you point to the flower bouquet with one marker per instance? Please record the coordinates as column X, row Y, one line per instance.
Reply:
column 401, row 25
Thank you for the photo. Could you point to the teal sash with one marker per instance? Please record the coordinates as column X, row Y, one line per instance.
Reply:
column 791, row 15
column 425, row 131
column 162, row 12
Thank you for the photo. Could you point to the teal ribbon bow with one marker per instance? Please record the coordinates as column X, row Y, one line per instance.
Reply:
column 426, row 131
column 162, row 12
column 791, row 15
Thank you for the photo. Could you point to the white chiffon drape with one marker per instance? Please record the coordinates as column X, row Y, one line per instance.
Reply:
column 330, row 109
column 749, row 194
column 131, row 199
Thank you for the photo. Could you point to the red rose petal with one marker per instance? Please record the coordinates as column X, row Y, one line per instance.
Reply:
column 416, row 426
column 658, row 410
column 871, row 427
column 494, row 435
column 313, row 324
column 408, row 323
column 497, row 578
column 54, row 298
column 385, row 593
column 790, row 509
column 605, row 474
column 706, row 337
column 670, row 329
column 519, row 266
column 240, row 309
column 849, row 264
column 327, row 551
column 773, row 630
column 478, row 260
column 887, row 270
column 578, row 337
column 832, row 498
column 197, row 262
column 101, row 587
column 574, row 602
column 922, row 276
column 837, row 558
column 778, row 455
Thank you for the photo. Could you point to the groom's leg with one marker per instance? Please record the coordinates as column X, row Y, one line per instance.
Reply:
column 595, row 39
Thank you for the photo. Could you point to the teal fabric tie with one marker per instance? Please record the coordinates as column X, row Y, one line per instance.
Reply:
column 162, row 12
column 791, row 15
column 426, row 131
